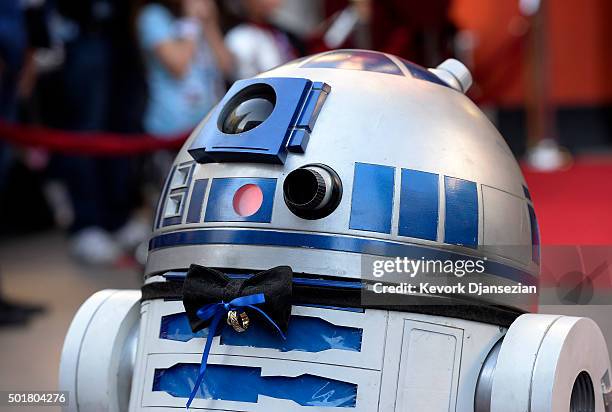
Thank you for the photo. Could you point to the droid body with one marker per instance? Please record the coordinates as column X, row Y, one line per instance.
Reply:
column 311, row 172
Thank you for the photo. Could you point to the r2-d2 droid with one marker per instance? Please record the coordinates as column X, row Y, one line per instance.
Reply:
column 255, row 297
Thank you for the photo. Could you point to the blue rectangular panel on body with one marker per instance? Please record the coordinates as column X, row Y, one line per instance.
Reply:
column 372, row 201
column 535, row 236
column 418, row 216
column 194, row 213
column 220, row 205
column 246, row 384
column 305, row 334
column 265, row 143
column 461, row 221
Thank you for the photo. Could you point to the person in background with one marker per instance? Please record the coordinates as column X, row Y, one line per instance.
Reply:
column 13, row 47
column 185, row 59
column 256, row 44
column 101, row 190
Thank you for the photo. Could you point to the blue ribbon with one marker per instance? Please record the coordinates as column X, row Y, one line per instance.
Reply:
column 216, row 311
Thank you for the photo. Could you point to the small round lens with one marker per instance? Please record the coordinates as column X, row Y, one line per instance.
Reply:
column 249, row 109
column 312, row 191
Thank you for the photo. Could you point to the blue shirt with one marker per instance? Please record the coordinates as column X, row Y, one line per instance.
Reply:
column 176, row 105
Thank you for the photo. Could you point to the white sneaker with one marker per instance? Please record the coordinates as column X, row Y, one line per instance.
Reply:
column 94, row 246
column 133, row 233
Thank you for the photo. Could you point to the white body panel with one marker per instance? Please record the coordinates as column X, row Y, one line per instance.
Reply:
column 395, row 347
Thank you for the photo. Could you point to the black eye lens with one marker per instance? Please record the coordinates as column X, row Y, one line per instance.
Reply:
column 312, row 191
column 248, row 109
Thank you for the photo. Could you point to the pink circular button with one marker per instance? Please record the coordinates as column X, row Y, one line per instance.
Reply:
column 248, row 200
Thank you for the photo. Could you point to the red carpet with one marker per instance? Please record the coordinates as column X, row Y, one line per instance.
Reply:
column 574, row 206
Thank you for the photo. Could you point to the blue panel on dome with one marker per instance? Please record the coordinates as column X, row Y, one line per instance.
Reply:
column 461, row 223
column 305, row 334
column 310, row 112
column 298, row 141
column 311, row 109
column 354, row 60
column 419, row 205
column 265, row 143
column 372, row 202
column 194, row 213
column 297, row 105
column 421, row 73
column 220, row 206
column 245, row 384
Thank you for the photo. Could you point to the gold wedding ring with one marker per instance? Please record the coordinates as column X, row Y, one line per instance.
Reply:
column 240, row 323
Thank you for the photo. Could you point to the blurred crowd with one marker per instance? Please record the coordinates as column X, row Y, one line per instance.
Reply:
column 124, row 67
column 151, row 66
column 156, row 67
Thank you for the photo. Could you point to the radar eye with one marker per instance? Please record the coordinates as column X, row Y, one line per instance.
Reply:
column 248, row 109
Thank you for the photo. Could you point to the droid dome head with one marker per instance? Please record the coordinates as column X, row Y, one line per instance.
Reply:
column 342, row 156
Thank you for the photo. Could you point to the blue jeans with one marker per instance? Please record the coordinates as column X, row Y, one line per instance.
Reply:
column 99, row 188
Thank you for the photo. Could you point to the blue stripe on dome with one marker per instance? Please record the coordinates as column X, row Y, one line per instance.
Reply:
column 341, row 243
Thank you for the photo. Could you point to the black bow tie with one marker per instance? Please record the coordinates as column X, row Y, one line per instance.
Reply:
column 204, row 286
